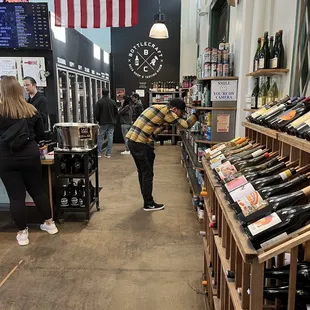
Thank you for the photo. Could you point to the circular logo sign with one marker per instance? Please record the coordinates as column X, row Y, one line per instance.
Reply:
column 145, row 60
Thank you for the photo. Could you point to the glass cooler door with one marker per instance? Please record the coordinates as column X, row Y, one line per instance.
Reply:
column 81, row 99
column 88, row 100
column 73, row 104
column 63, row 95
column 94, row 94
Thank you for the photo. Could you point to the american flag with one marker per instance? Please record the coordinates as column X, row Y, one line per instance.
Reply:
column 96, row 13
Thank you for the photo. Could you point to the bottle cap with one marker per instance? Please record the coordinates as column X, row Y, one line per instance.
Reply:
column 266, row 155
column 212, row 225
column 213, row 218
column 204, row 283
column 230, row 274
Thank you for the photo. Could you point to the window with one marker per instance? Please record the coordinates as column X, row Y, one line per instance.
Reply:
column 97, row 52
column 106, row 57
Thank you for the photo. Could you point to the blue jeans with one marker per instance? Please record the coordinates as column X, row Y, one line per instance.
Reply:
column 106, row 130
column 125, row 129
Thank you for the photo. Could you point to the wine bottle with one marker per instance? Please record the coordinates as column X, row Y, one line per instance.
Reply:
column 251, row 162
column 303, row 129
column 262, row 94
column 240, row 187
column 292, row 114
column 283, row 274
column 238, row 152
column 271, row 51
column 271, row 204
column 292, row 128
column 255, row 93
column 264, row 53
column 251, row 176
column 220, row 146
column 250, row 201
column 267, row 164
column 273, row 92
column 256, row 56
column 247, row 154
column 277, row 225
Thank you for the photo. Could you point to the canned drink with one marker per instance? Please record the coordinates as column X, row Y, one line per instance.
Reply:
column 207, row 69
column 207, row 53
column 225, row 69
column 214, row 55
column 225, row 57
column 213, row 70
column 222, row 46
column 219, row 57
column 219, row 69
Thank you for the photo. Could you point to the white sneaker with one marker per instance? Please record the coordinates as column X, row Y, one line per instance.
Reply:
column 51, row 229
column 107, row 156
column 126, row 153
column 22, row 238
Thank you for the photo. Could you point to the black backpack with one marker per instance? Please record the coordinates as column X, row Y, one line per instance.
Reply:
column 17, row 136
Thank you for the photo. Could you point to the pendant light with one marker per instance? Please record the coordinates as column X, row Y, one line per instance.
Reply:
column 159, row 29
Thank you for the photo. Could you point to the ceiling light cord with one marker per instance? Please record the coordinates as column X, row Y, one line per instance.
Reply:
column 159, row 5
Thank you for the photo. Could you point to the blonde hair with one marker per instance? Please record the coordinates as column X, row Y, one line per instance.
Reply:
column 12, row 102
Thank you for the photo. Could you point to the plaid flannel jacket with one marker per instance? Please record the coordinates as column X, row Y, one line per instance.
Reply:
column 152, row 120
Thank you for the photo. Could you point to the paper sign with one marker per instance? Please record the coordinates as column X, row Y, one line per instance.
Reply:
column 8, row 67
column 222, row 122
column 140, row 92
column 35, row 68
column 223, row 90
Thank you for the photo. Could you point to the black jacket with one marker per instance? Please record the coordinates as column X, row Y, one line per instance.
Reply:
column 36, row 131
column 126, row 114
column 40, row 103
column 106, row 111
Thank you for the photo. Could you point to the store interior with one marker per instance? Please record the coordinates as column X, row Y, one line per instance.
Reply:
column 235, row 231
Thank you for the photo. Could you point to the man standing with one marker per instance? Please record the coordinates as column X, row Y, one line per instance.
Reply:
column 36, row 99
column 141, row 142
column 105, row 114
column 137, row 107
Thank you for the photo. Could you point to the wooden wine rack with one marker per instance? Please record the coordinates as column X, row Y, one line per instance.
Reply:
column 227, row 248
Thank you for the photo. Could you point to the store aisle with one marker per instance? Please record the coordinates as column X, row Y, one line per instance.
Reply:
column 124, row 259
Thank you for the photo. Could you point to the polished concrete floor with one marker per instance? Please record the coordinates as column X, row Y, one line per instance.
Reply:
column 124, row 259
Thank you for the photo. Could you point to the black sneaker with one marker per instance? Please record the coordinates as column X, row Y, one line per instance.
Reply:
column 154, row 207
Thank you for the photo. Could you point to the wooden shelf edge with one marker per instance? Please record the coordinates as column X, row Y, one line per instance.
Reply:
column 216, row 303
column 266, row 131
column 209, row 173
column 299, row 143
column 209, row 214
column 196, row 188
column 248, row 253
column 225, row 266
column 268, row 72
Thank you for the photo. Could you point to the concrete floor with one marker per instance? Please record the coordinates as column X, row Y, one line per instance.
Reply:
column 124, row 259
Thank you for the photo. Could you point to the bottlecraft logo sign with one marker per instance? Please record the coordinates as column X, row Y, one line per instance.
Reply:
column 145, row 60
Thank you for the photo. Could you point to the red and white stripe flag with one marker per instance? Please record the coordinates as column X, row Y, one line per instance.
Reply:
column 96, row 13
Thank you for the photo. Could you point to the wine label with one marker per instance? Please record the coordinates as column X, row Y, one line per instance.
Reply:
column 288, row 115
column 232, row 185
column 307, row 122
column 261, row 63
column 260, row 102
column 259, row 113
column 264, row 223
column 274, row 63
column 215, row 162
column 215, row 155
column 257, row 153
column 242, row 191
column 226, row 170
column 251, row 203
column 273, row 240
column 274, row 108
column 210, row 153
column 232, row 177
column 300, row 120
column 285, row 174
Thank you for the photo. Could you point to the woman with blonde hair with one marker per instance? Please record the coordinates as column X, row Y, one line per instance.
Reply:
column 21, row 128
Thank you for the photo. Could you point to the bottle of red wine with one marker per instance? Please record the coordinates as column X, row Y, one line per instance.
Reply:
column 283, row 274
column 239, row 187
column 251, row 176
column 270, row 163
column 271, row 204
column 292, row 114
column 249, row 154
column 303, row 129
column 251, row 162
column 277, row 225
column 249, row 202
column 292, row 128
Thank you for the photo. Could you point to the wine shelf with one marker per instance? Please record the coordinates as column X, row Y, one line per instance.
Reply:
column 268, row 72
column 211, row 108
column 250, row 110
column 227, row 248
column 193, row 157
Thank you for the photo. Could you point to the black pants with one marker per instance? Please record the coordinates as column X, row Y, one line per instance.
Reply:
column 19, row 174
column 144, row 157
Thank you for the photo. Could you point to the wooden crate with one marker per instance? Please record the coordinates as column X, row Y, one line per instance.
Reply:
column 227, row 248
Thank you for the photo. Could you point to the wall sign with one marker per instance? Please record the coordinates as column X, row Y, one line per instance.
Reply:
column 223, row 90
column 145, row 60
column 222, row 123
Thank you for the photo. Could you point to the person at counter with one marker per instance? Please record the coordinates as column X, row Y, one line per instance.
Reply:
column 137, row 106
column 21, row 128
column 38, row 100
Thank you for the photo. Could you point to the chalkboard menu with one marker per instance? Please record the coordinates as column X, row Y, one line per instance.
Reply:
column 24, row 26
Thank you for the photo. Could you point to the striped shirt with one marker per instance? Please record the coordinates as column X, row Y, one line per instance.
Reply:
column 151, row 122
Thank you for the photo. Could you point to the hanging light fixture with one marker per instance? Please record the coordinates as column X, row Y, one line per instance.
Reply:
column 159, row 29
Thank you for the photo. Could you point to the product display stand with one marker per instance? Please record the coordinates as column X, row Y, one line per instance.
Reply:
column 227, row 250
column 60, row 211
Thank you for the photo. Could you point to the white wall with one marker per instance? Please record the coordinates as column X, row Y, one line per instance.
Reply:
column 101, row 37
column 188, row 46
